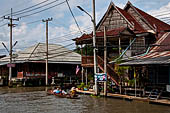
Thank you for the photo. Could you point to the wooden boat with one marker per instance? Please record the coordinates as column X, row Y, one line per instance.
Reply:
column 60, row 95
column 69, row 96
column 73, row 97
column 50, row 92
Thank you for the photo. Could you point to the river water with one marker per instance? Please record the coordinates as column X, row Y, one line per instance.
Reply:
column 35, row 100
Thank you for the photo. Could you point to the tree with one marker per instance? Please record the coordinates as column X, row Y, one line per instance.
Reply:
column 120, row 71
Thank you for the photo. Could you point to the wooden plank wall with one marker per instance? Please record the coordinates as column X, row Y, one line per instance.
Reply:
column 139, row 19
column 112, row 21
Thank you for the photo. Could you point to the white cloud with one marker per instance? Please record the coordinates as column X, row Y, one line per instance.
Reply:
column 161, row 12
column 29, row 35
column 21, row 30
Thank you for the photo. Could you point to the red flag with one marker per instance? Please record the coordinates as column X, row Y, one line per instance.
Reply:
column 77, row 69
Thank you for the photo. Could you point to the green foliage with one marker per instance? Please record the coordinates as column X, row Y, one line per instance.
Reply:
column 77, row 50
column 120, row 70
column 125, row 80
column 81, row 85
column 86, row 48
column 131, row 82
column 115, row 49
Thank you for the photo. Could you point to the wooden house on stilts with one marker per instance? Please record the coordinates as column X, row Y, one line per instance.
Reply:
column 132, row 35
column 30, row 65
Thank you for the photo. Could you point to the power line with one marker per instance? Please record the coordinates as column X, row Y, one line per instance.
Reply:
column 168, row 21
column 54, row 55
column 3, row 24
column 2, row 20
column 70, row 34
column 16, row 6
column 31, row 22
column 43, row 10
column 35, row 8
column 29, row 7
column 162, row 14
column 67, row 35
column 73, row 16
column 50, row 50
column 164, row 18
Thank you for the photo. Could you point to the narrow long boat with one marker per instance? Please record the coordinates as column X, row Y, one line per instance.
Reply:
column 69, row 96
column 50, row 92
column 60, row 95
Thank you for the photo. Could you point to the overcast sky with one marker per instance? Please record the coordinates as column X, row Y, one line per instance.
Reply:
column 63, row 28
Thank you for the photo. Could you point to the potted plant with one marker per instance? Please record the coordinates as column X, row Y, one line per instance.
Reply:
column 81, row 86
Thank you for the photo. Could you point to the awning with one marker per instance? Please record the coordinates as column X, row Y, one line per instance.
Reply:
column 148, row 61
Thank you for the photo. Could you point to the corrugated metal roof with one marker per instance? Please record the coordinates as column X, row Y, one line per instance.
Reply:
column 154, row 21
column 149, row 61
column 113, row 32
column 57, row 53
column 159, row 54
column 138, row 28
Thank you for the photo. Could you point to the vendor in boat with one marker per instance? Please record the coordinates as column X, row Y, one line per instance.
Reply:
column 57, row 91
column 64, row 92
column 73, row 91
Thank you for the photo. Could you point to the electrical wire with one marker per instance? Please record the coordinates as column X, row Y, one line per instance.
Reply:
column 16, row 14
column 53, row 49
column 164, row 18
column 36, row 21
column 43, row 10
column 73, row 16
column 3, row 24
column 70, row 34
column 18, row 5
column 54, row 55
column 162, row 14
column 29, row 7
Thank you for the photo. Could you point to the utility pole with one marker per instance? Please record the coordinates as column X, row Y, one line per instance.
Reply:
column 105, row 62
column 47, row 20
column 93, row 19
column 11, row 25
column 94, row 46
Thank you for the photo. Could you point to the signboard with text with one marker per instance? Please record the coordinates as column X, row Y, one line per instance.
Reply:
column 10, row 65
column 101, row 77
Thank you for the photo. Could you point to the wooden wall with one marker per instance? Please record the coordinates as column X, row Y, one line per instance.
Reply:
column 113, row 20
column 139, row 18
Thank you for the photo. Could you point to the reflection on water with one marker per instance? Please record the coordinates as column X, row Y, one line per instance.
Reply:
column 35, row 100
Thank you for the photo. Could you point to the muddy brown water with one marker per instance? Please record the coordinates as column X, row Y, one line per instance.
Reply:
column 35, row 100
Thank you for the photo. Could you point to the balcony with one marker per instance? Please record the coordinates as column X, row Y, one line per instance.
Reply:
column 87, row 61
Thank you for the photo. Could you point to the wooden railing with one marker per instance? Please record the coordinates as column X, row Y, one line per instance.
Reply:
column 87, row 61
column 110, row 70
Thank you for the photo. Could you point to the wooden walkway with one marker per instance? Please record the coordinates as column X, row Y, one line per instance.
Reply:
column 126, row 97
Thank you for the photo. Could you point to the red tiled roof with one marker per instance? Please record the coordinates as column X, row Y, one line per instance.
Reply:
column 152, row 20
column 137, row 28
column 113, row 32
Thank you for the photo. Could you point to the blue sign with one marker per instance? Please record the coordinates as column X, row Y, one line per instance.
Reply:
column 101, row 77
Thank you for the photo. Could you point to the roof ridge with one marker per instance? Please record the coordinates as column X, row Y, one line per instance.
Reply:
column 36, row 46
column 135, row 9
column 117, row 9
column 103, row 18
column 131, row 19
column 152, row 16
